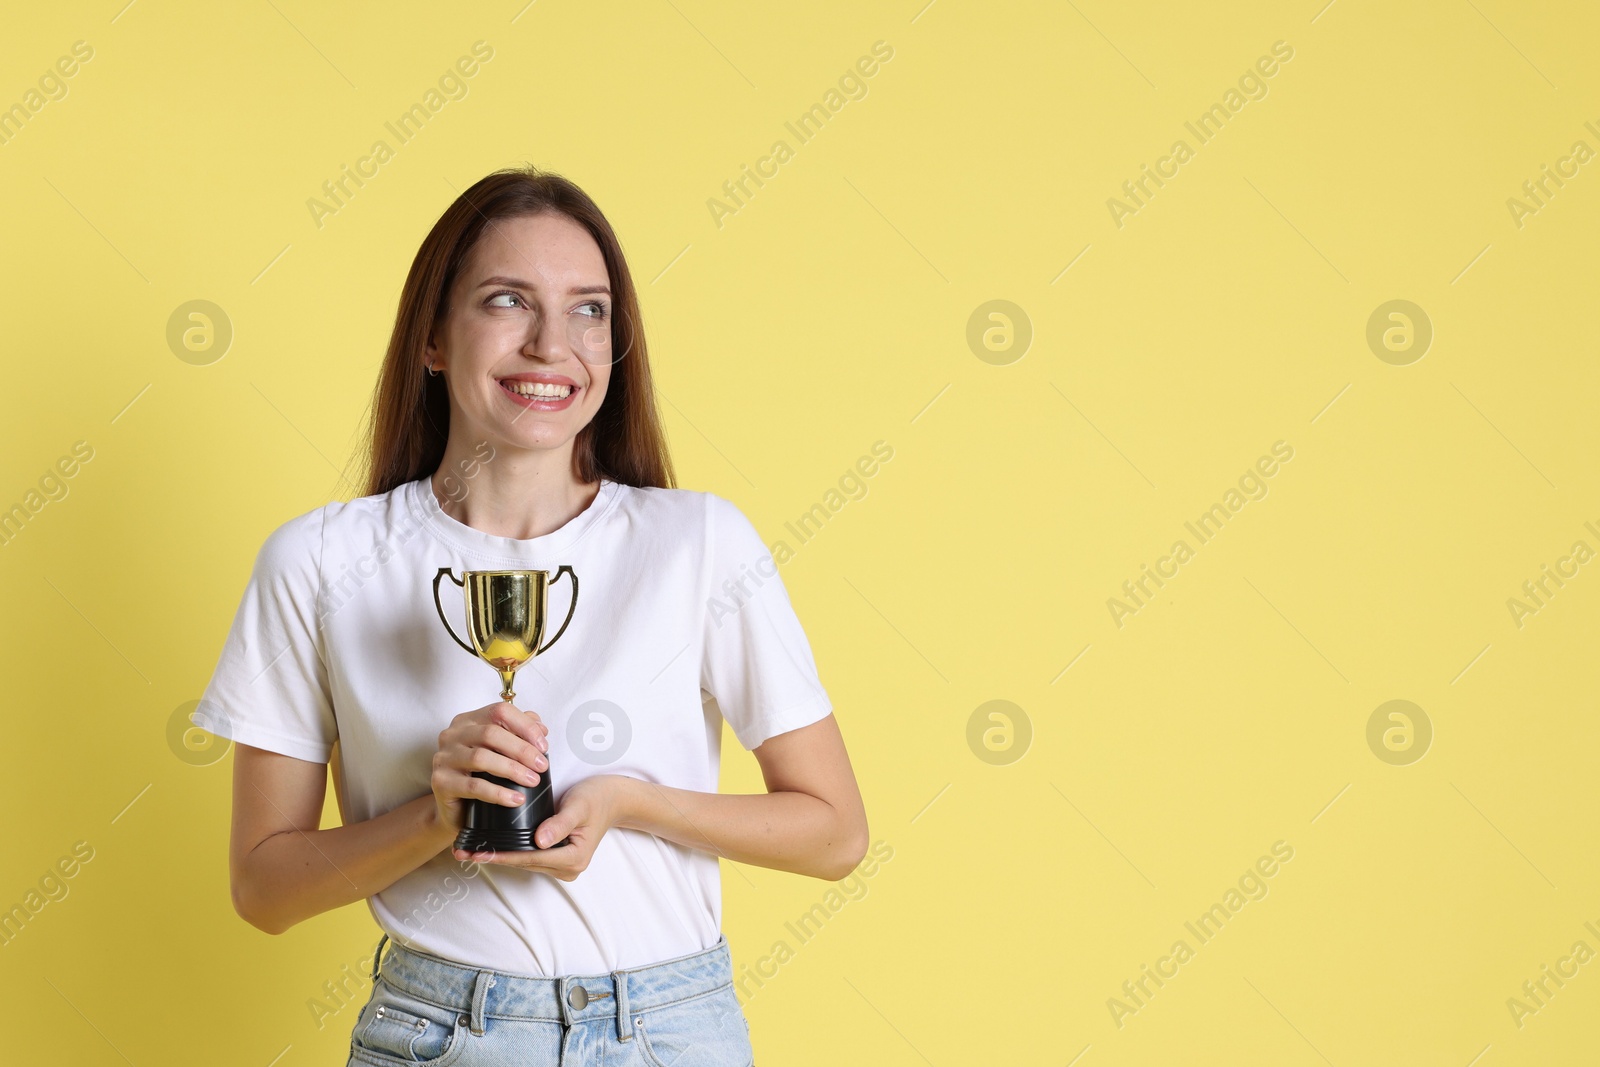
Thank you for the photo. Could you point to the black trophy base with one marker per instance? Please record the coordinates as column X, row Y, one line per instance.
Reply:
column 477, row 839
column 493, row 827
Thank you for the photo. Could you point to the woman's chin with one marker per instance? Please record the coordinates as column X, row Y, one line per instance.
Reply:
column 522, row 437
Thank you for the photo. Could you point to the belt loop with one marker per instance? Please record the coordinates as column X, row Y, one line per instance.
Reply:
column 480, row 992
column 619, row 980
column 561, row 1000
column 376, row 956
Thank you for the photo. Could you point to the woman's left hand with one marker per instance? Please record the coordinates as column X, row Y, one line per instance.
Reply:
column 588, row 809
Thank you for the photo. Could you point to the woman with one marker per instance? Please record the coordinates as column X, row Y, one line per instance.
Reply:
column 514, row 427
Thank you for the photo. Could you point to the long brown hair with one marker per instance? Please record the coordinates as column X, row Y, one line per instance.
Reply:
column 409, row 419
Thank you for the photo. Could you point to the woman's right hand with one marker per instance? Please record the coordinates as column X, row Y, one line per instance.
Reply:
column 499, row 738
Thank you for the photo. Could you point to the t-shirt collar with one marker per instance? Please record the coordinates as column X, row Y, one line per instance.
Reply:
column 458, row 534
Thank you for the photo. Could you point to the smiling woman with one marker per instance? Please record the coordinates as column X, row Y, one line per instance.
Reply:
column 518, row 339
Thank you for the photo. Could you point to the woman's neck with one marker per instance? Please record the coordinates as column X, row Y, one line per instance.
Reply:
column 520, row 495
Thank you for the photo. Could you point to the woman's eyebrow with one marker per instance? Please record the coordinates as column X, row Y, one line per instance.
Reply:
column 518, row 283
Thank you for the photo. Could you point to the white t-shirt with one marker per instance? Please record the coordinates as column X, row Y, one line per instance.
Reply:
column 682, row 620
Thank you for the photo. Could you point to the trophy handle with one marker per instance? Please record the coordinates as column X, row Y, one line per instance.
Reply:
column 568, row 571
column 443, row 571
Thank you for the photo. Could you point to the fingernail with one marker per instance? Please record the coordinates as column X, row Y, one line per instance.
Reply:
column 544, row 745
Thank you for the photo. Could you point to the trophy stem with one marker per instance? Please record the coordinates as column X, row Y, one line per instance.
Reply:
column 506, row 692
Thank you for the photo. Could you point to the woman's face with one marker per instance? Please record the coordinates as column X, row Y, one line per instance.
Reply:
column 532, row 304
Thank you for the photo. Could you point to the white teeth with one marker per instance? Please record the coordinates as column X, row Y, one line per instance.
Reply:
column 540, row 389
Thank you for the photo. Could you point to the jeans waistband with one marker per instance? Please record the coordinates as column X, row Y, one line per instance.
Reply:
column 568, row 999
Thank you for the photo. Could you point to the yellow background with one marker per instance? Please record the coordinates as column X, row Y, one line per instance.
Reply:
column 829, row 313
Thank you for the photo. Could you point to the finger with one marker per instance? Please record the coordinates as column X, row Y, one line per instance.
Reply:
column 487, row 759
column 497, row 739
column 482, row 856
column 511, row 711
column 502, row 859
column 560, row 862
column 527, row 724
column 461, row 784
column 555, row 828
column 508, row 730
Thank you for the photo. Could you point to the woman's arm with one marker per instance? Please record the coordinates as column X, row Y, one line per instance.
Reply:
column 283, row 869
column 810, row 821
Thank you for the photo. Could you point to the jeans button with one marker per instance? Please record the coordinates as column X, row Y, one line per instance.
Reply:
column 578, row 997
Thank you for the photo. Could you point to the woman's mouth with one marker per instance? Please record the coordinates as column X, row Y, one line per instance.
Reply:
column 541, row 396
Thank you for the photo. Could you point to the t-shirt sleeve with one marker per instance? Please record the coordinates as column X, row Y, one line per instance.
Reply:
column 756, row 664
column 270, row 686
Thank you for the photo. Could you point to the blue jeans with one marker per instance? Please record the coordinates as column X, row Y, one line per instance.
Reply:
column 680, row 1012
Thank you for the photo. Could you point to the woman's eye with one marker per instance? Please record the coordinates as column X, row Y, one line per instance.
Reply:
column 598, row 310
column 497, row 296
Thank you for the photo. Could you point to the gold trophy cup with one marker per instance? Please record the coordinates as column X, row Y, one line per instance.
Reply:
column 506, row 620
